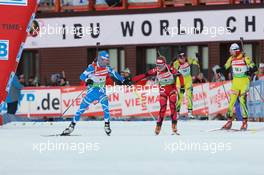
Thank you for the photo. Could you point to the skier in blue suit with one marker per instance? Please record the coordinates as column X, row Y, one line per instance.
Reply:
column 95, row 78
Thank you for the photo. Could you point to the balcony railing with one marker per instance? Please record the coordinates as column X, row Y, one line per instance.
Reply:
column 99, row 5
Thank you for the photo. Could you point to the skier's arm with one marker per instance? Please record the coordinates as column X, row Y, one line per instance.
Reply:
column 151, row 72
column 176, row 65
column 87, row 74
column 251, row 65
column 195, row 67
column 115, row 74
column 176, row 74
column 228, row 63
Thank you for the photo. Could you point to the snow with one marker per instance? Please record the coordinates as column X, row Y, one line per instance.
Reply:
column 131, row 149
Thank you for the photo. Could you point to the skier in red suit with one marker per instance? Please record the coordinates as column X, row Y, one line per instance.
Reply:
column 166, row 77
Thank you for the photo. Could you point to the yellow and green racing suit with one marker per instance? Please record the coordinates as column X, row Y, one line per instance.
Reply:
column 240, row 66
column 185, row 70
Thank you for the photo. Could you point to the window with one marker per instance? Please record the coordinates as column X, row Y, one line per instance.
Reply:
column 117, row 59
column 29, row 67
column 166, row 51
column 192, row 51
column 248, row 49
column 205, row 61
column 151, row 55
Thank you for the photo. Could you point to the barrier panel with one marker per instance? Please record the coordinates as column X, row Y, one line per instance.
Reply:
column 208, row 99
column 255, row 99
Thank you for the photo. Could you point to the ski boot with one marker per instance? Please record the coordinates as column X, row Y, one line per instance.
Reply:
column 158, row 128
column 69, row 129
column 244, row 125
column 228, row 124
column 107, row 128
column 190, row 116
column 174, row 128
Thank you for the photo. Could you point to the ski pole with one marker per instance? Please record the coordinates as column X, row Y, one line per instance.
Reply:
column 73, row 102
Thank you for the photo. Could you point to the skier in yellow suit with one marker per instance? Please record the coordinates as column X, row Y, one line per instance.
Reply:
column 241, row 66
column 183, row 65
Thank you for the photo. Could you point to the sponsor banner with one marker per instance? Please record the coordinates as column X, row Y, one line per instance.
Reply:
column 69, row 94
column 143, row 101
column 40, row 102
column 255, row 99
column 218, row 100
column 14, row 2
column 15, row 17
column 4, row 49
column 149, row 28
column 200, row 99
column 208, row 99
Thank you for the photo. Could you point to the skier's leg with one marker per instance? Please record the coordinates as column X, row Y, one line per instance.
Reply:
column 180, row 98
column 86, row 101
column 163, row 107
column 189, row 93
column 103, row 99
column 105, row 105
column 230, row 115
column 172, row 100
column 233, row 98
column 243, row 103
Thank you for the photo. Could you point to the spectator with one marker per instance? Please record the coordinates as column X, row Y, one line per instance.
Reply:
column 32, row 81
column 127, row 76
column 260, row 74
column 13, row 96
column 22, row 79
column 55, row 79
column 63, row 82
column 200, row 78
column 217, row 76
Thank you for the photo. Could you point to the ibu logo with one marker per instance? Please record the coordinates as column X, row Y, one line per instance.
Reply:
column 14, row 2
column 4, row 49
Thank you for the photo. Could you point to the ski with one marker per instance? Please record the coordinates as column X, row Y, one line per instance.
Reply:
column 221, row 129
column 175, row 133
column 235, row 130
column 59, row 135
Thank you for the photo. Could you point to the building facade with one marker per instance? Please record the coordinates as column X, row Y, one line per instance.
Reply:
column 67, row 41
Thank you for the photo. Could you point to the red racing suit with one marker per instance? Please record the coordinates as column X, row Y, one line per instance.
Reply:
column 168, row 91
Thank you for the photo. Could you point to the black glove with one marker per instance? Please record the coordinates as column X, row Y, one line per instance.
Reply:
column 127, row 82
column 89, row 82
column 252, row 70
column 182, row 90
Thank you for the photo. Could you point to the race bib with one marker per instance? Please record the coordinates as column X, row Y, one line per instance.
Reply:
column 185, row 70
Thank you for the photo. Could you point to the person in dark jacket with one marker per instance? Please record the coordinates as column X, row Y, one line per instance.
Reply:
column 12, row 100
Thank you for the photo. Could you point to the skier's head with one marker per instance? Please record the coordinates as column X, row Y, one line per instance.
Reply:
column 234, row 49
column 161, row 63
column 103, row 58
column 181, row 57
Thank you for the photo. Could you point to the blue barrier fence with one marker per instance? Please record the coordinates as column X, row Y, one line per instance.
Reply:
column 255, row 99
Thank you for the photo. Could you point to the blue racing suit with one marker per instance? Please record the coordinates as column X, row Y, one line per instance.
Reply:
column 96, row 91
